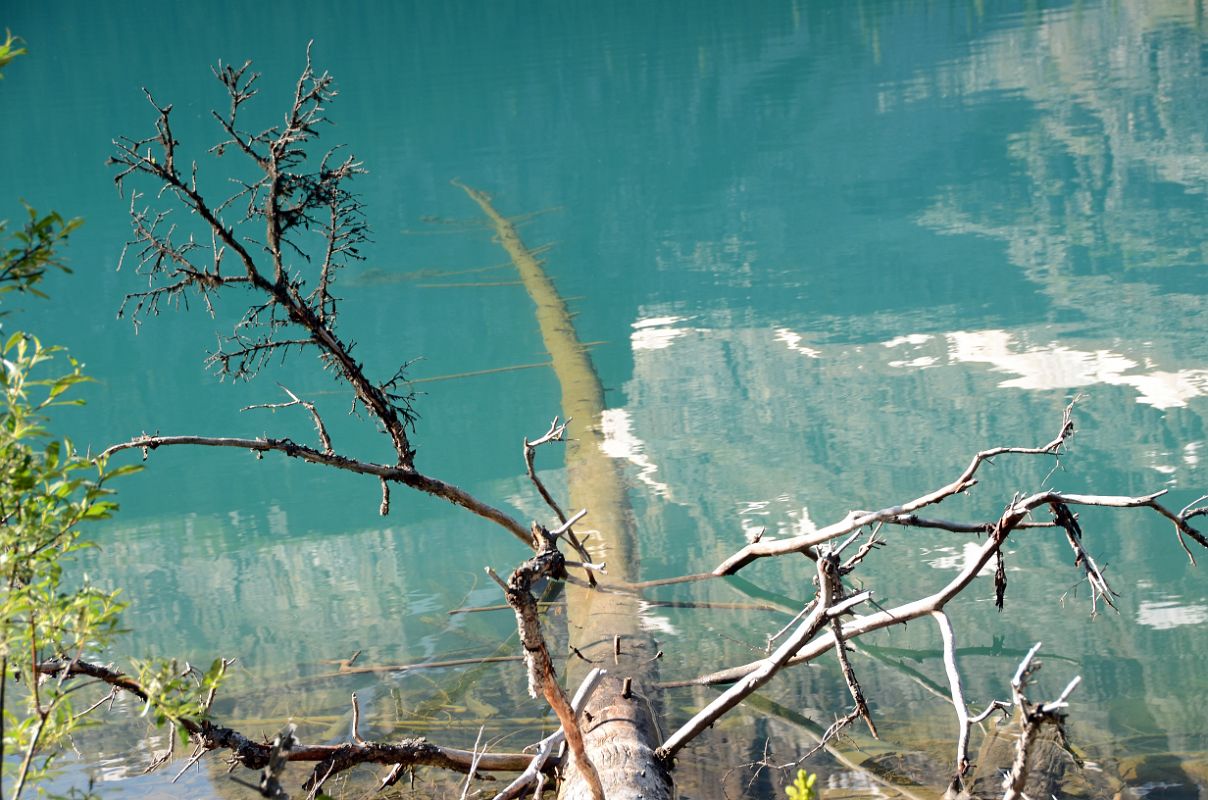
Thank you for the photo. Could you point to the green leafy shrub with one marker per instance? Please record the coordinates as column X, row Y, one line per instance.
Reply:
column 803, row 787
column 47, row 490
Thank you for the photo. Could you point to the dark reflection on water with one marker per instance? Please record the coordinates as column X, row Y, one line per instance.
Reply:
column 827, row 249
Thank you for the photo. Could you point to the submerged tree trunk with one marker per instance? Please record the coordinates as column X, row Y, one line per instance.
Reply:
column 619, row 722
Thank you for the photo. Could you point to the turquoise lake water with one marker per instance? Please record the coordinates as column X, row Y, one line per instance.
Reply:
column 823, row 251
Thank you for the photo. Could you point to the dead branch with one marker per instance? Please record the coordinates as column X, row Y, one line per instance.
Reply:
column 899, row 514
column 556, row 433
column 964, row 722
column 256, row 238
column 915, row 521
column 320, row 428
column 257, row 755
column 542, row 678
column 849, row 674
column 1014, row 514
column 1100, row 589
column 1034, row 718
column 821, row 612
column 386, row 472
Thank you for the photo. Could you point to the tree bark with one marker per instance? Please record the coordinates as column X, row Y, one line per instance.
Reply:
column 618, row 723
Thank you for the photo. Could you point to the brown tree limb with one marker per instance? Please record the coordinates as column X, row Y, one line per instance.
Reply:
column 386, row 472
column 257, row 755
column 542, row 678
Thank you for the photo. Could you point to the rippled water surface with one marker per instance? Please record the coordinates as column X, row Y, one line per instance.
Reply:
column 823, row 251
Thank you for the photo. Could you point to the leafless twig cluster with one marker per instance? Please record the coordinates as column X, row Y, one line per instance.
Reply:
column 255, row 237
column 260, row 237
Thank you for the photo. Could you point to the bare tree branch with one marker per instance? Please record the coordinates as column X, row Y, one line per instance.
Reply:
column 289, row 200
column 1034, row 718
column 542, row 678
column 821, row 612
column 1100, row 589
column 386, row 472
column 849, row 674
column 295, row 401
column 898, row 514
column 556, row 433
column 963, row 721
column 1012, row 516
column 257, row 755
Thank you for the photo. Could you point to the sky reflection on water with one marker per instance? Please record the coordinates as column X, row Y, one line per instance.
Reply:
column 826, row 251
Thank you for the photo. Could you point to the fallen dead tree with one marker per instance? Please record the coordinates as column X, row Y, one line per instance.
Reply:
column 611, row 726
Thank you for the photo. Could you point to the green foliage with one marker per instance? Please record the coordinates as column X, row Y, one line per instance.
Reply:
column 803, row 787
column 9, row 50
column 47, row 490
column 33, row 251
column 175, row 694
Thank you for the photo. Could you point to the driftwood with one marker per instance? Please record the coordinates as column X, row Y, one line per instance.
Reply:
column 542, row 677
column 618, row 752
column 622, row 721
column 330, row 759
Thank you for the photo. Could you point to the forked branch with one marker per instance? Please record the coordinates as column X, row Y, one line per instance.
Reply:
column 899, row 514
column 821, row 611
column 556, row 433
column 334, row 758
column 273, row 217
column 542, row 677
column 386, row 472
column 1034, row 717
column 1015, row 513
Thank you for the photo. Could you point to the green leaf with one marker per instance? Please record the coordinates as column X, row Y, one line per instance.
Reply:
column 803, row 786
column 12, row 340
column 125, row 469
column 51, row 455
column 9, row 50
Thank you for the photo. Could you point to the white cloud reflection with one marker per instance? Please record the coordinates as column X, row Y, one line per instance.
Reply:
column 620, row 442
column 1170, row 613
column 793, row 340
column 656, row 333
column 1051, row 365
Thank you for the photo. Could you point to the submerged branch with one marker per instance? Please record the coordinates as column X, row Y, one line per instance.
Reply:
column 256, row 755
